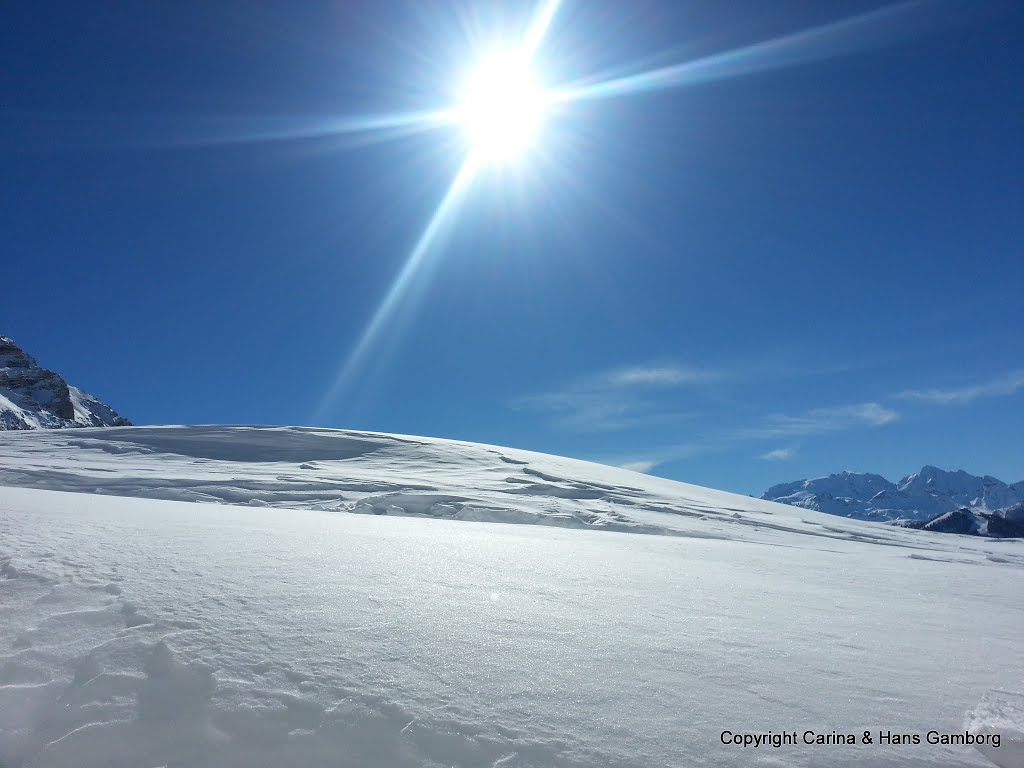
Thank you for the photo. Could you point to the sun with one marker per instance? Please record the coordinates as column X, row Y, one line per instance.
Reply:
column 501, row 107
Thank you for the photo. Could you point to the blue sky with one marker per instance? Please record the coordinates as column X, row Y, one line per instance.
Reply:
column 805, row 259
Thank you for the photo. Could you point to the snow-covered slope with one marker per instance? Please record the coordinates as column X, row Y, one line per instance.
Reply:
column 919, row 496
column 35, row 398
column 152, row 632
column 381, row 474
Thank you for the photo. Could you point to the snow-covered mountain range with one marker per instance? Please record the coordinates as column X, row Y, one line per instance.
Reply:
column 32, row 397
column 917, row 497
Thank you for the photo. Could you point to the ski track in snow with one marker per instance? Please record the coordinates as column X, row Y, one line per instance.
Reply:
column 147, row 632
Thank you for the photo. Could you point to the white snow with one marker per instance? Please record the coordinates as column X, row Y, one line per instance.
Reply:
column 88, row 410
column 141, row 631
column 17, row 413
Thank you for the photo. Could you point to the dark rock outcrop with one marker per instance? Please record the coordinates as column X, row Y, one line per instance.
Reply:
column 1001, row 524
column 32, row 397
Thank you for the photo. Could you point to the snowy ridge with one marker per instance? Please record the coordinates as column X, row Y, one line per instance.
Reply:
column 142, row 631
column 920, row 496
column 382, row 474
column 36, row 398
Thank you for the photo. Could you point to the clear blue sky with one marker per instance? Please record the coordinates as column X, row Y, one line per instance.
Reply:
column 775, row 273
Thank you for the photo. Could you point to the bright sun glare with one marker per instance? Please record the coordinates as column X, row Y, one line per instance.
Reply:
column 501, row 107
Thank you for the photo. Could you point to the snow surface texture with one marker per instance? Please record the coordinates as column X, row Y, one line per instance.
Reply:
column 35, row 398
column 149, row 632
column 920, row 496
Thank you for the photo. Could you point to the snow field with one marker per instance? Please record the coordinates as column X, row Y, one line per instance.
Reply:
column 146, row 632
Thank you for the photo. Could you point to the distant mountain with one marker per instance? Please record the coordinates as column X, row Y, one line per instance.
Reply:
column 36, row 398
column 919, row 497
column 1003, row 524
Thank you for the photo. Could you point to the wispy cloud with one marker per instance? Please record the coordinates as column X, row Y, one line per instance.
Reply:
column 779, row 454
column 653, row 459
column 819, row 421
column 617, row 399
column 1001, row 386
column 643, row 465
column 659, row 376
column 595, row 411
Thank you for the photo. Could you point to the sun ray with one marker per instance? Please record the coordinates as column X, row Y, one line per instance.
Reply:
column 539, row 27
column 269, row 129
column 830, row 40
column 371, row 335
column 113, row 131
column 244, row 130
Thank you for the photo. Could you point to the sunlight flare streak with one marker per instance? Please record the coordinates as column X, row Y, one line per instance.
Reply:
column 823, row 42
column 371, row 335
column 539, row 27
column 370, row 339
column 254, row 129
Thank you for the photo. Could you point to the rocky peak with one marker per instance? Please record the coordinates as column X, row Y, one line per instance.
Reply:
column 13, row 356
column 32, row 397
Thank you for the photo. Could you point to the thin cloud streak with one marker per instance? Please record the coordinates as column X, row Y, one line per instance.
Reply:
column 612, row 402
column 779, row 454
column 644, row 463
column 1001, row 386
column 819, row 421
column 667, row 375
column 597, row 411
column 616, row 400
column 639, row 466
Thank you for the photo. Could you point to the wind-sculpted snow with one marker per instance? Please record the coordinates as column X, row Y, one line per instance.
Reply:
column 147, row 632
column 381, row 474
